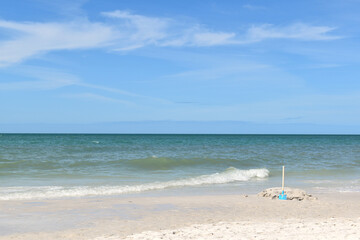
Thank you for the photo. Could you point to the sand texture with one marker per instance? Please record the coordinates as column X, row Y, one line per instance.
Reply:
column 332, row 216
column 291, row 193
column 289, row 229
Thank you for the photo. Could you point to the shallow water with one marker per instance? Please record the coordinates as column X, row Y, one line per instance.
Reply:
column 77, row 165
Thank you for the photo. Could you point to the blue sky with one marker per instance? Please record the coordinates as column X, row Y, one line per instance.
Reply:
column 290, row 63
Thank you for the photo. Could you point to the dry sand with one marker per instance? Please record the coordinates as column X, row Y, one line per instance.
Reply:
column 331, row 216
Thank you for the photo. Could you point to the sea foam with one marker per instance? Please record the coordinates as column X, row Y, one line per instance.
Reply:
column 46, row 192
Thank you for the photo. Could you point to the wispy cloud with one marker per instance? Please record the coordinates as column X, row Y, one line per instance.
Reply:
column 320, row 109
column 299, row 31
column 98, row 97
column 40, row 78
column 143, row 30
column 122, row 92
column 31, row 38
column 324, row 65
column 199, row 37
column 140, row 30
column 216, row 72
column 34, row 85
column 253, row 7
column 67, row 8
column 167, row 32
column 124, row 31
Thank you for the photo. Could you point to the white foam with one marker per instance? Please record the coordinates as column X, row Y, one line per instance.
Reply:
column 46, row 192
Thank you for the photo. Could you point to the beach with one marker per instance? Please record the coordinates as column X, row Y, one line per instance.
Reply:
column 331, row 216
column 93, row 187
column 209, row 119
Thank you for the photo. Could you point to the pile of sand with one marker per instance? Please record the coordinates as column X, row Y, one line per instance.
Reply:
column 292, row 194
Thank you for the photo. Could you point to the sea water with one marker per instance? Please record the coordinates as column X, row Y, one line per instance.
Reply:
column 41, row 166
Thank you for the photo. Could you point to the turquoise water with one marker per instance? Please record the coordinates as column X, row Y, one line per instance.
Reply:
column 76, row 165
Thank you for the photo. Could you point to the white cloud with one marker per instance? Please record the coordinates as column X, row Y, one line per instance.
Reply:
column 124, row 31
column 198, row 36
column 35, row 38
column 144, row 31
column 142, row 28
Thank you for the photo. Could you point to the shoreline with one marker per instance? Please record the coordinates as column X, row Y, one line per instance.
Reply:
column 119, row 217
column 189, row 186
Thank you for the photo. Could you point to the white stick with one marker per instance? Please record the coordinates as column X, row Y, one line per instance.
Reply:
column 283, row 178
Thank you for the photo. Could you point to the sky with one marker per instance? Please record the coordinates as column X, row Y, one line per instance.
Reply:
column 86, row 66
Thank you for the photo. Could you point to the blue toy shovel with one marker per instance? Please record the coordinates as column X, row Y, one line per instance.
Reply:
column 282, row 196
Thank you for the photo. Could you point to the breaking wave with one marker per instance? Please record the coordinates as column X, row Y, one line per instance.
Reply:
column 45, row 192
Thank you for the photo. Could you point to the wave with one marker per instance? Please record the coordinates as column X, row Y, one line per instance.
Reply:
column 46, row 192
column 152, row 163
column 165, row 163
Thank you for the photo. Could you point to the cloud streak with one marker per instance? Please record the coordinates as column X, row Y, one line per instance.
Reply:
column 124, row 31
column 98, row 97
column 298, row 31
column 39, row 79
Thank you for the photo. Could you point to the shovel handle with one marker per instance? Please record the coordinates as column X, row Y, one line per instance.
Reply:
column 283, row 178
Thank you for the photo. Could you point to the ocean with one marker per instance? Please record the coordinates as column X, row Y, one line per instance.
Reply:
column 45, row 166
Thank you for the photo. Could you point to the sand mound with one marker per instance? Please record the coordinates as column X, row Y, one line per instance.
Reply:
column 292, row 194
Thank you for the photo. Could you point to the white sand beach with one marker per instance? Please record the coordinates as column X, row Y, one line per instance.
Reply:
column 331, row 216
